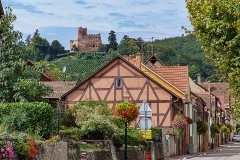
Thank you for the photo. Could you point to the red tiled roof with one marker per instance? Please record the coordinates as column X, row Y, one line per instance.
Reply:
column 206, row 98
column 59, row 87
column 49, row 75
column 221, row 99
column 218, row 89
column 176, row 75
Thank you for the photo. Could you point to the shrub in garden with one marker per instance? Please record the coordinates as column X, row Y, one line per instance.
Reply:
column 134, row 138
column 28, row 117
column 156, row 134
column 95, row 119
column 6, row 148
column 10, row 146
column 69, row 119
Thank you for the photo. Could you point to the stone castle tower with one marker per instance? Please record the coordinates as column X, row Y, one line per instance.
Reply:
column 86, row 42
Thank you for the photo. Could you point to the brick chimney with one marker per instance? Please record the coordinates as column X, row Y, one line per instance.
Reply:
column 138, row 60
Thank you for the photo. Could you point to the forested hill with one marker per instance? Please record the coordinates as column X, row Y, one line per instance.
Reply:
column 185, row 50
column 183, row 44
column 174, row 51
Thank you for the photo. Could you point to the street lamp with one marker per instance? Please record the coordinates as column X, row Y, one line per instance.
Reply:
column 126, row 99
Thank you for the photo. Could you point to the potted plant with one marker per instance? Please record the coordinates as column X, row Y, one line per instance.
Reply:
column 179, row 123
column 128, row 111
column 189, row 120
column 202, row 127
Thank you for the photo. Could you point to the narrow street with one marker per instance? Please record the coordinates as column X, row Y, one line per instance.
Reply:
column 230, row 153
column 226, row 152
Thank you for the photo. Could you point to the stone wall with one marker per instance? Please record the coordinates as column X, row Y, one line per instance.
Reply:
column 157, row 151
column 67, row 151
column 52, row 151
column 134, row 153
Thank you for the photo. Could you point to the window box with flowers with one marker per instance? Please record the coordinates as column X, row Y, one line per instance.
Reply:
column 179, row 123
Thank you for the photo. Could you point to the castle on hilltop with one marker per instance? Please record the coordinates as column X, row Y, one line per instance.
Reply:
column 86, row 42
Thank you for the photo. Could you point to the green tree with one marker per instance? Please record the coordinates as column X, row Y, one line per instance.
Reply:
column 18, row 82
column 216, row 25
column 56, row 48
column 28, row 40
column 36, row 33
column 39, row 48
column 139, row 43
column 127, row 46
column 112, row 40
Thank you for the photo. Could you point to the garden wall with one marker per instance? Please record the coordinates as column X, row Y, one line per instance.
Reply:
column 67, row 151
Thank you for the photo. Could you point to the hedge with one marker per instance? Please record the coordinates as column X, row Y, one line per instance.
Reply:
column 28, row 117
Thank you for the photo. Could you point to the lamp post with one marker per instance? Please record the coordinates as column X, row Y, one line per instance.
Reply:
column 125, row 99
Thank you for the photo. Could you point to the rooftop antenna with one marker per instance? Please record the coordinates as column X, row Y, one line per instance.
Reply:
column 64, row 73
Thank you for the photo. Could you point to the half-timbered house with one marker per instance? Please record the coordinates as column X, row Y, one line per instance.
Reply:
column 128, row 75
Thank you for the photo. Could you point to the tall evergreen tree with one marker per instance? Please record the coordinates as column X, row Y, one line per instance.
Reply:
column 112, row 40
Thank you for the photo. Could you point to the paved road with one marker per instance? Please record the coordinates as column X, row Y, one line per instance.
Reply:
column 227, row 153
column 231, row 151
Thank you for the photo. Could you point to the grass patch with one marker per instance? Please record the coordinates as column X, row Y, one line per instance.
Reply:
column 89, row 147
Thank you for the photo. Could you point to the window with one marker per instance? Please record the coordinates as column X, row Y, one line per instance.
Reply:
column 118, row 82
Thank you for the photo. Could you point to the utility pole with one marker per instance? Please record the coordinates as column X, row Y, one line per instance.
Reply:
column 152, row 38
column 152, row 44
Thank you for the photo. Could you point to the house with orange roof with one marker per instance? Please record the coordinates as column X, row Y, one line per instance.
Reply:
column 178, row 76
column 45, row 76
column 220, row 105
column 165, row 94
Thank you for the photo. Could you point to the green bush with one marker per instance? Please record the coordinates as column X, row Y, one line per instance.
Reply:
column 69, row 119
column 134, row 138
column 156, row 134
column 28, row 117
column 95, row 119
column 118, row 140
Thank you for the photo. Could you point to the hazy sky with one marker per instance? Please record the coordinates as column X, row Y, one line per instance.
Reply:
column 59, row 19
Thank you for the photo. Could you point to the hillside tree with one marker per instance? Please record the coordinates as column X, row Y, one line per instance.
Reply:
column 112, row 39
column 127, row 46
column 39, row 48
column 55, row 49
column 18, row 81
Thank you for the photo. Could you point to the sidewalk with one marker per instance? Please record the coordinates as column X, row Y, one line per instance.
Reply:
column 189, row 156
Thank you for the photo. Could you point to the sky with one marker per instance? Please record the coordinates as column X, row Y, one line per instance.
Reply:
column 59, row 19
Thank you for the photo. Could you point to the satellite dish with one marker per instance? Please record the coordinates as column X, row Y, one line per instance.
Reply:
column 64, row 69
